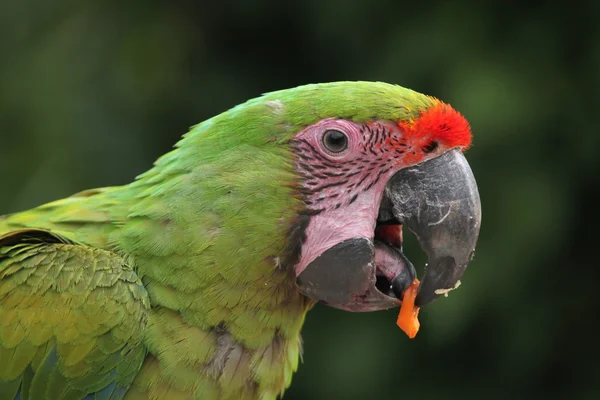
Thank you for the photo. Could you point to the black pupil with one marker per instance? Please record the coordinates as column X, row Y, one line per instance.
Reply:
column 335, row 141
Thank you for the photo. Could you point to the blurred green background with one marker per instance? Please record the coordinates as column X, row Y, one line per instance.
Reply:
column 92, row 92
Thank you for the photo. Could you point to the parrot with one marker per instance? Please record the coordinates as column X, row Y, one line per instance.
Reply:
column 194, row 280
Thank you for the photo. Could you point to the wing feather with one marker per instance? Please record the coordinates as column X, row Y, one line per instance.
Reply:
column 71, row 319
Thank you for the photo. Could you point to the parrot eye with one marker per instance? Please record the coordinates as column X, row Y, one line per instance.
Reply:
column 335, row 141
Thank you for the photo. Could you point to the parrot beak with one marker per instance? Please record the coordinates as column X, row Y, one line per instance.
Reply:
column 345, row 277
column 436, row 200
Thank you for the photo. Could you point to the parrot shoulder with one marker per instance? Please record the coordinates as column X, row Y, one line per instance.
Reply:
column 71, row 318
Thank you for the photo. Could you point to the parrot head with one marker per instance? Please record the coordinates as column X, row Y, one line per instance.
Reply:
column 380, row 159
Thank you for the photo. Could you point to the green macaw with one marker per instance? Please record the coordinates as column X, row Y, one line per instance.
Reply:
column 194, row 280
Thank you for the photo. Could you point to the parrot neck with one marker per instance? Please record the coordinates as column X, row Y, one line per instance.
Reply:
column 208, row 240
column 207, row 229
column 208, row 243
column 226, row 316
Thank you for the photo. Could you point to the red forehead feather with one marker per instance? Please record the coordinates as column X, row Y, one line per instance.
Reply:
column 442, row 123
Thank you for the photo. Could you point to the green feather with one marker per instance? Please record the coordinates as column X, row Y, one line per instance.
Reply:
column 203, row 230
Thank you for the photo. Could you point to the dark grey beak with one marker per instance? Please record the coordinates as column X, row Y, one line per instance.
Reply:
column 438, row 201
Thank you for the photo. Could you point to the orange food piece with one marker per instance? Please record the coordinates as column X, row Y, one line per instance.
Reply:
column 408, row 319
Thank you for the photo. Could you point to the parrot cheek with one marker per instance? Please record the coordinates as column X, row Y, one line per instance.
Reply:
column 357, row 264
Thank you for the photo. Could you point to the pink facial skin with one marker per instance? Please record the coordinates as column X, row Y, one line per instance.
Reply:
column 344, row 189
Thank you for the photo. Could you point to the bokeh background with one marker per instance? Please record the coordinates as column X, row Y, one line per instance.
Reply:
column 92, row 92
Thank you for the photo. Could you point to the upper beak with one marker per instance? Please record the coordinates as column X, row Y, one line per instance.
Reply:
column 438, row 201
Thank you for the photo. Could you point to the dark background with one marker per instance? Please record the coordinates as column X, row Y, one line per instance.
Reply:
column 92, row 92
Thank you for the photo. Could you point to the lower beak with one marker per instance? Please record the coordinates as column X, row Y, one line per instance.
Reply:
column 436, row 200
column 345, row 277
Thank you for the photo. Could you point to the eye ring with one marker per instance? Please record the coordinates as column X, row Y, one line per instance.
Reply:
column 335, row 141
